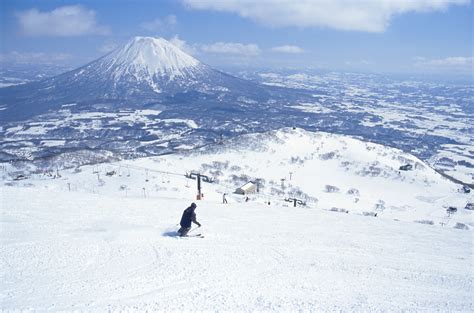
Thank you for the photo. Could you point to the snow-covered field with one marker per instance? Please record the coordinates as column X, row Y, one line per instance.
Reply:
column 421, row 109
column 89, row 241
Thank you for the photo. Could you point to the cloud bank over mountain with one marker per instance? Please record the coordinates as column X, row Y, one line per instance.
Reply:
column 367, row 16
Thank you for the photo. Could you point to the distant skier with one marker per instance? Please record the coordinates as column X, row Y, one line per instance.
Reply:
column 224, row 199
column 188, row 216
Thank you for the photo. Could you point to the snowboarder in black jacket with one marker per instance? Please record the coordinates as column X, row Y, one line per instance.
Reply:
column 188, row 216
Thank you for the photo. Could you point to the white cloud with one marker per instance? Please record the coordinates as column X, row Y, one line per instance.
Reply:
column 459, row 63
column 108, row 47
column 35, row 57
column 358, row 15
column 288, row 49
column 73, row 20
column 160, row 24
column 181, row 44
column 232, row 48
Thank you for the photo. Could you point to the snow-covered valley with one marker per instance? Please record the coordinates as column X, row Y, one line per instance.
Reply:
column 369, row 237
column 149, row 97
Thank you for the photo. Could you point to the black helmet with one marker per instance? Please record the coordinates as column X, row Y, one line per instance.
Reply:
column 193, row 205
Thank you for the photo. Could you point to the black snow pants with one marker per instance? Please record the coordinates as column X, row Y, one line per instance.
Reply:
column 183, row 231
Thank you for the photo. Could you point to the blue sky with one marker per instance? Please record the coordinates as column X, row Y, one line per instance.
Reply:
column 420, row 36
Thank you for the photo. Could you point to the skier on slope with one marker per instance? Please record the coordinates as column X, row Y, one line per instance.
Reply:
column 224, row 199
column 188, row 216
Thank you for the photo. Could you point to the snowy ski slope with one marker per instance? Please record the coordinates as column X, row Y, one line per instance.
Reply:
column 88, row 241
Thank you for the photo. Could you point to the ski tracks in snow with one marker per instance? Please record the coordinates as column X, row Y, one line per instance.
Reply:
column 98, row 253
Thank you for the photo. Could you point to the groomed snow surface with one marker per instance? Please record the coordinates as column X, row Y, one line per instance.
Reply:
column 91, row 242
column 80, row 251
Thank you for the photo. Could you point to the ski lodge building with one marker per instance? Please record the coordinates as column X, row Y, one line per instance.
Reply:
column 246, row 189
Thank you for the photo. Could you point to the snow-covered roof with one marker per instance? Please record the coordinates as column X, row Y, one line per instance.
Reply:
column 248, row 186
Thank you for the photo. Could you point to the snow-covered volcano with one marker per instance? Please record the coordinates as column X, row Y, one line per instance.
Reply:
column 146, row 71
column 146, row 63
column 149, row 58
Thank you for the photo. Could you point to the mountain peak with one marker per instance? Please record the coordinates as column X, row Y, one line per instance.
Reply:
column 151, row 57
column 143, row 71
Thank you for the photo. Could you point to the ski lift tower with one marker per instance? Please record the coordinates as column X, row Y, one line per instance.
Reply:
column 199, row 177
